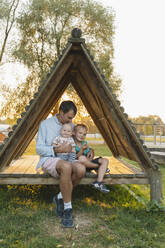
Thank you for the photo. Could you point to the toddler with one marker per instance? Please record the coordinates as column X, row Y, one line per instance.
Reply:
column 85, row 155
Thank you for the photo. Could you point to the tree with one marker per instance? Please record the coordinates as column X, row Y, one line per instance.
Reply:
column 150, row 120
column 7, row 20
column 45, row 26
column 24, row 92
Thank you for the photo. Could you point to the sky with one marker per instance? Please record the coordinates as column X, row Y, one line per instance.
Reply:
column 140, row 55
column 139, row 44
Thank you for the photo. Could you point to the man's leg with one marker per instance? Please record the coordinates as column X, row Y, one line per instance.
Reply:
column 64, row 170
column 78, row 172
column 50, row 167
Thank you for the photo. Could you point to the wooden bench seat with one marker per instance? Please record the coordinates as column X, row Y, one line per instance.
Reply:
column 22, row 171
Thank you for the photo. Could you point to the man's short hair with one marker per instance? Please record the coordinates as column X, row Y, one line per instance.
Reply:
column 66, row 106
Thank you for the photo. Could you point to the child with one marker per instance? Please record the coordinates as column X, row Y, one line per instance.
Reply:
column 65, row 137
column 85, row 155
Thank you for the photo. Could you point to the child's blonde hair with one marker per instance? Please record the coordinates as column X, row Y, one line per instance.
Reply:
column 81, row 125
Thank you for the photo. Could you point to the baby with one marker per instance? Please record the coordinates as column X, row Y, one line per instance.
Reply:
column 65, row 137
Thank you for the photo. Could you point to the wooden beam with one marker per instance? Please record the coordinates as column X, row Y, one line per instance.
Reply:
column 33, row 115
column 42, row 179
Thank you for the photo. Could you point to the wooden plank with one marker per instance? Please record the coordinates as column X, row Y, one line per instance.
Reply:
column 24, row 165
column 116, row 166
column 21, row 168
column 53, row 181
column 14, row 165
column 88, row 175
column 17, row 166
column 124, row 166
column 32, row 178
column 27, row 164
column 32, row 168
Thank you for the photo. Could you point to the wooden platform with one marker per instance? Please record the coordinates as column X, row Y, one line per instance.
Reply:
column 22, row 171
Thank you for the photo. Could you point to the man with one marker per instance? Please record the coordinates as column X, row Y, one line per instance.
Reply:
column 69, row 174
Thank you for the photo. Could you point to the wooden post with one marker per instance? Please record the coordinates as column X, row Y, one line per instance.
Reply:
column 144, row 131
column 155, row 185
column 161, row 132
column 154, row 134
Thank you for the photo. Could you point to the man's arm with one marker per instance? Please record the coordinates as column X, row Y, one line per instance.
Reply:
column 41, row 147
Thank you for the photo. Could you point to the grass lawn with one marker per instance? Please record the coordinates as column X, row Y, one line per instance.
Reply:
column 114, row 220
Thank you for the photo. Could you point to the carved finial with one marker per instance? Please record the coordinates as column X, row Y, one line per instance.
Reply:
column 76, row 33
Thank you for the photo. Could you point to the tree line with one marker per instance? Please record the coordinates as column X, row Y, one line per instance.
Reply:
column 148, row 125
column 42, row 28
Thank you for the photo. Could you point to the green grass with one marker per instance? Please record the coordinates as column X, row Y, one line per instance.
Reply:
column 27, row 219
column 100, row 149
column 114, row 220
column 150, row 139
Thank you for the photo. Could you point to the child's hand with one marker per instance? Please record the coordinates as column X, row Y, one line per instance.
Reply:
column 85, row 146
column 90, row 154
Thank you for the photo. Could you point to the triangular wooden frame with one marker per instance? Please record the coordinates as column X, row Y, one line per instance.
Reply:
column 76, row 66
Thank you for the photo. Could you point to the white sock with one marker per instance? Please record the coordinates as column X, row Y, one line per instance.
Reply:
column 67, row 205
column 59, row 196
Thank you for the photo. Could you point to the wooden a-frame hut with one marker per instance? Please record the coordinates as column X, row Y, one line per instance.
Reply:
column 76, row 66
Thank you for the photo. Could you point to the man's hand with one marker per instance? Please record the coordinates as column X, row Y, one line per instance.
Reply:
column 63, row 148
column 90, row 154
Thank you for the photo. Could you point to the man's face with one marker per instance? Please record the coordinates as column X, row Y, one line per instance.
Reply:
column 67, row 117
